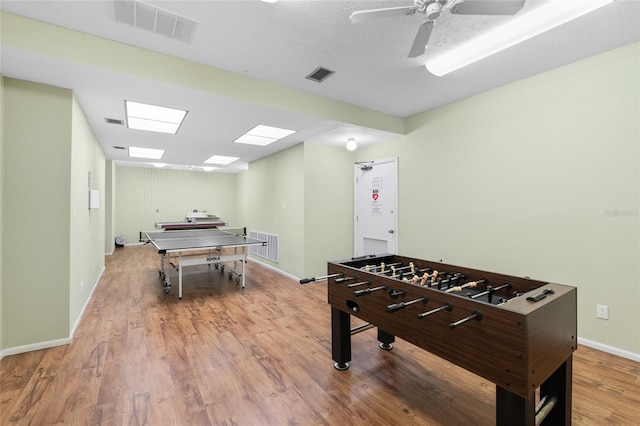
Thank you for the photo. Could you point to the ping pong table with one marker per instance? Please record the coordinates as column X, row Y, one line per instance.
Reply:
column 200, row 247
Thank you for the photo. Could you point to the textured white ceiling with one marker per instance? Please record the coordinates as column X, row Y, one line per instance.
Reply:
column 282, row 43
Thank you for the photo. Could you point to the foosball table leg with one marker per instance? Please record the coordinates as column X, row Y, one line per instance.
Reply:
column 340, row 338
column 386, row 340
column 559, row 386
column 553, row 409
column 512, row 409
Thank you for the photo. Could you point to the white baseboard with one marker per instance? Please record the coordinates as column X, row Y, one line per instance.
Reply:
column 52, row 343
column 34, row 347
column 609, row 349
column 86, row 303
column 280, row 271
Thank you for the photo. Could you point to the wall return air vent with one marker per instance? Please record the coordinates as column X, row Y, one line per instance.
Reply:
column 154, row 19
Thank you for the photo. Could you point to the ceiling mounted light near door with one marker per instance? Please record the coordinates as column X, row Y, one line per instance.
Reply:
column 351, row 144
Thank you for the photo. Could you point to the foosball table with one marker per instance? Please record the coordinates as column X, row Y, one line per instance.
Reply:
column 518, row 333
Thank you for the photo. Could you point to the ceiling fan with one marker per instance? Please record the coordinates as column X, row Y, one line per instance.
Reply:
column 432, row 9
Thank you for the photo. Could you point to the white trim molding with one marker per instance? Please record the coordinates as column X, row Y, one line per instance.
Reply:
column 609, row 349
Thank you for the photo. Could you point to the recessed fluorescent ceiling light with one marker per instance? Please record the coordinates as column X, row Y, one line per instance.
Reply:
column 264, row 135
column 220, row 159
column 154, row 154
column 517, row 30
column 153, row 118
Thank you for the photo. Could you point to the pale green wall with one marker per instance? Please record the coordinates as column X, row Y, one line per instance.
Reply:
column 36, row 216
column 537, row 178
column 276, row 204
column 87, row 234
column 328, row 206
column 242, row 188
column 173, row 193
column 109, row 206
column 1, row 207
column 48, row 150
column 305, row 196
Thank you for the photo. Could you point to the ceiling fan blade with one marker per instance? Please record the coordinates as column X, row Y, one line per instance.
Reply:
column 487, row 7
column 373, row 14
column 422, row 38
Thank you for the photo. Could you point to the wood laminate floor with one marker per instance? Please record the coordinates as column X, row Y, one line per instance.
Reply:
column 258, row 356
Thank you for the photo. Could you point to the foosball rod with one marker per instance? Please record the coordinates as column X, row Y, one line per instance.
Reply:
column 372, row 268
column 310, row 280
column 446, row 307
column 447, row 281
column 491, row 290
column 365, row 282
column 361, row 327
column 474, row 315
column 466, row 285
column 393, row 268
column 368, row 290
column 402, row 305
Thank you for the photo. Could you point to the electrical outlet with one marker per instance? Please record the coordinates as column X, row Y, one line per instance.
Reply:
column 602, row 311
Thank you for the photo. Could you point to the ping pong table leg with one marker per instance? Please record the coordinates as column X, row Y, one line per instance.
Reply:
column 180, row 277
column 244, row 257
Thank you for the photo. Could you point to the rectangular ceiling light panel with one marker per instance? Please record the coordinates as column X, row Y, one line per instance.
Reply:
column 221, row 160
column 153, row 154
column 153, row 118
column 264, row 135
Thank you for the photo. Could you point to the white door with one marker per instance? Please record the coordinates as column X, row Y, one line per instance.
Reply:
column 376, row 203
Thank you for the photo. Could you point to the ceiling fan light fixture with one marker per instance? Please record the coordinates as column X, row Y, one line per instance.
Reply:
column 434, row 10
column 351, row 144
column 521, row 28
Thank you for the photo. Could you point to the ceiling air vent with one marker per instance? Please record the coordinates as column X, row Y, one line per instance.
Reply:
column 114, row 121
column 154, row 19
column 320, row 74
